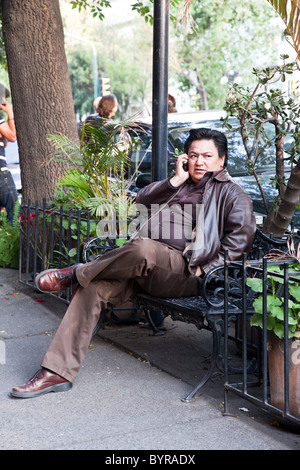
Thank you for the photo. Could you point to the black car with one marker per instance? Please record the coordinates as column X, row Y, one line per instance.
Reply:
column 179, row 126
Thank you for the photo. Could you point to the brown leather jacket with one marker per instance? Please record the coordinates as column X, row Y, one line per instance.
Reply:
column 226, row 220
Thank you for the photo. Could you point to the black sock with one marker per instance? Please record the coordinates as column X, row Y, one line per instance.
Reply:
column 74, row 276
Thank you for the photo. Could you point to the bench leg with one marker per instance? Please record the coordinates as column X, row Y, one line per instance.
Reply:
column 190, row 397
column 155, row 329
column 100, row 322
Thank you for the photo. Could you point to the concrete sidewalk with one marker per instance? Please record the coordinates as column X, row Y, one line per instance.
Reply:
column 128, row 393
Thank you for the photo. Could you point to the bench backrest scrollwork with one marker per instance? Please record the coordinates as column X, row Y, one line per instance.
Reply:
column 232, row 277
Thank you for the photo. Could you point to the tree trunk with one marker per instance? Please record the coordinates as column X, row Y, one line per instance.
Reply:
column 280, row 222
column 40, row 89
column 279, row 145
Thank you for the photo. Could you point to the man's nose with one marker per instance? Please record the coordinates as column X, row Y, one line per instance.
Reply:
column 199, row 160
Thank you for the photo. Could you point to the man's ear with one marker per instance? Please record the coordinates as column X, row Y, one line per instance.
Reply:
column 223, row 160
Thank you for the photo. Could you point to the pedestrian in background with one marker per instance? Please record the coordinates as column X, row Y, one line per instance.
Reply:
column 8, row 191
column 106, row 107
column 171, row 104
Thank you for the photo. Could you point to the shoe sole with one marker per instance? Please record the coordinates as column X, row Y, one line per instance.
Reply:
column 55, row 388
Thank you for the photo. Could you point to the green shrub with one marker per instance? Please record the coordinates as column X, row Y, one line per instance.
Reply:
column 275, row 303
column 9, row 241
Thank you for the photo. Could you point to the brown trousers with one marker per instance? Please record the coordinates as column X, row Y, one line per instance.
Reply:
column 143, row 265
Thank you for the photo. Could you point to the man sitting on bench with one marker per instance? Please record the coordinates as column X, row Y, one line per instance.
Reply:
column 206, row 212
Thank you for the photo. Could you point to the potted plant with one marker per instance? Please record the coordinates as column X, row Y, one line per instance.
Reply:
column 95, row 179
column 275, row 326
column 267, row 106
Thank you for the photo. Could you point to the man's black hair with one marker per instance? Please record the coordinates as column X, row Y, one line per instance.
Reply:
column 203, row 133
column 6, row 91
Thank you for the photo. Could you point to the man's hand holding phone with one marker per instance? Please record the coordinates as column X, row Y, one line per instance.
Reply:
column 185, row 166
column 182, row 172
column 3, row 104
column 6, row 107
column 8, row 129
column 2, row 94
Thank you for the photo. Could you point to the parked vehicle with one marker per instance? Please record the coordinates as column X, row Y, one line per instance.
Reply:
column 179, row 125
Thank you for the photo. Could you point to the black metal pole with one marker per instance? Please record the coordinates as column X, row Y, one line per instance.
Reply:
column 160, row 89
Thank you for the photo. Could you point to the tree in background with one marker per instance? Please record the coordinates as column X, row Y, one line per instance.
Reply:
column 81, row 76
column 267, row 104
column 130, row 70
column 40, row 88
column 223, row 38
column 267, row 119
column 124, row 54
column 220, row 37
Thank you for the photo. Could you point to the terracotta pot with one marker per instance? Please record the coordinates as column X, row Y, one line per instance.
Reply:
column 253, row 337
column 276, row 373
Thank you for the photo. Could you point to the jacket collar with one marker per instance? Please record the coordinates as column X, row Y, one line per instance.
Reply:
column 221, row 175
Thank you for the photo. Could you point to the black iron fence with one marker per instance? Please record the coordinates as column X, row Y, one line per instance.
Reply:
column 52, row 237
column 274, row 384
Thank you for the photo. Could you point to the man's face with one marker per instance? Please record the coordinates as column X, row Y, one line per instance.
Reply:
column 203, row 156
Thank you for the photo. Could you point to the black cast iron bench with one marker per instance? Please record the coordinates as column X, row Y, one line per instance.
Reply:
column 222, row 288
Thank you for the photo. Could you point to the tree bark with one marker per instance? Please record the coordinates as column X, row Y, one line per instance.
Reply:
column 40, row 88
column 280, row 222
column 279, row 145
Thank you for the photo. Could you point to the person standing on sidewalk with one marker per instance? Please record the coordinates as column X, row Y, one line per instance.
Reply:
column 106, row 108
column 220, row 218
column 8, row 191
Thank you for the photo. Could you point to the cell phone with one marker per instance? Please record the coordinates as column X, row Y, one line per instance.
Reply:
column 2, row 94
column 185, row 166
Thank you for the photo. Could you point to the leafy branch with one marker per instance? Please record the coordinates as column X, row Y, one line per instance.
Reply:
column 142, row 7
column 95, row 6
column 255, row 110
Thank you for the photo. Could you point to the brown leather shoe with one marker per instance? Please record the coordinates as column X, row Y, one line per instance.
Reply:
column 44, row 381
column 54, row 280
